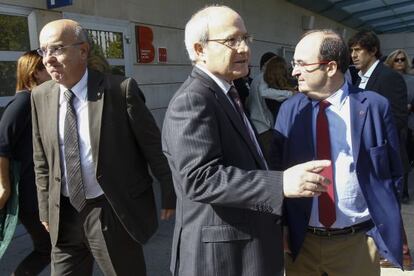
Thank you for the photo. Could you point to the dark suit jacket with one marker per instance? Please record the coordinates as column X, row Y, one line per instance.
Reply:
column 391, row 85
column 377, row 164
column 228, row 205
column 124, row 141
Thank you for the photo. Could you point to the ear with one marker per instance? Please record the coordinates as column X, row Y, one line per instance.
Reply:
column 84, row 50
column 199, row 50
column 332, row 68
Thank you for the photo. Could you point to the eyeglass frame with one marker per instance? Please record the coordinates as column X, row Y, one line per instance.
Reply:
column 303, row 65
column 398, row 60
column 57, row 49
column 247, row 39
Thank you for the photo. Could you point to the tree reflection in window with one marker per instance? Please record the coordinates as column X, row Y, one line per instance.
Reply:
column 14, row 33
column 108, row 45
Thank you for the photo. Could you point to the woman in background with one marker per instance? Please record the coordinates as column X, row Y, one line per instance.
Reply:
column 263, row 118
column 398, row 60
column 276, row 75
column 16, row 145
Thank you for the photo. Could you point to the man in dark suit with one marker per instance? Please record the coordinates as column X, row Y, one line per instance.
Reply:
column 228, row 203
column 342, row 231
column 375, row 76
column 94, row 187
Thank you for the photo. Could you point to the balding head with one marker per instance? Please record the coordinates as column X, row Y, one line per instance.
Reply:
column 66, row 27
column 332, row 47
column 197, row 28
column 65, row 47
column 216, row 39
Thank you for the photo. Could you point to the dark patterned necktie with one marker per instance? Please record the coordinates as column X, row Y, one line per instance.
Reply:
column 327, row 211
column 240, row 110
column 72, row 156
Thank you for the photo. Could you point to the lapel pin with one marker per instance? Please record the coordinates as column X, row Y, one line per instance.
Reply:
column 361, row 112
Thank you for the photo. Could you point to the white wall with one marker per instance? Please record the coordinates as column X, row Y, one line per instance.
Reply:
column 274, row 24
column 391, row 42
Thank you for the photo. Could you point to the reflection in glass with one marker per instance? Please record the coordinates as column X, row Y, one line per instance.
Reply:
column 109, row 43
column 7, row 78
column 14, row 33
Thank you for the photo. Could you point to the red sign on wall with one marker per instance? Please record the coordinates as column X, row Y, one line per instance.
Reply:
column 162, row 54
column 145, row 48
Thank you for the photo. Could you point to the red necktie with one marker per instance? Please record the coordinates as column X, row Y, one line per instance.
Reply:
column 327, row 214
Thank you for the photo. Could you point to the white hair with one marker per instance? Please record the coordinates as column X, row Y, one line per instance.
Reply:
column 197, row 28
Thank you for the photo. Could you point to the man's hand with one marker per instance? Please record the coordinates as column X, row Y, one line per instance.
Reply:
column 45, row 225
column 303, row 180
column 167, row 214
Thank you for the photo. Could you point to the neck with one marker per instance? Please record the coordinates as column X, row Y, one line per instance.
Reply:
column 364, row 70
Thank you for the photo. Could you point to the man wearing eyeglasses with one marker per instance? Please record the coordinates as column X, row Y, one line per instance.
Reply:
column 228, row 203
column 341, row 231
column 93, row 141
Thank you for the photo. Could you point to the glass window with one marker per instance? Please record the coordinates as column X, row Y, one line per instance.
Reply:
column 7, row 78
column 109, row 45
column 14, row 33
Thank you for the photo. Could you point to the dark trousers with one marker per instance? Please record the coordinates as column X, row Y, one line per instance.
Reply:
column 39, row 258
column 94, row 234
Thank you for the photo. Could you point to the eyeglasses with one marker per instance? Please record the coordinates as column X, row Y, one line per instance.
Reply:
column 398, row 60
column 302, row 64
column 233, row 42
column 55, row 50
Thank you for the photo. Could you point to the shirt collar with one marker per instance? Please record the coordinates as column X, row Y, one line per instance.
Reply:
column 224, row 85
column 338, row 98
column 368, row 73
column 80, row 88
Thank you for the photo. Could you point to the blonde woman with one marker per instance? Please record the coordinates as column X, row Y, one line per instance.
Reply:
column 16, row 146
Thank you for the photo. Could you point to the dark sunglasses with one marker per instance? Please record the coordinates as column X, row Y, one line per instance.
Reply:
column 399, row 60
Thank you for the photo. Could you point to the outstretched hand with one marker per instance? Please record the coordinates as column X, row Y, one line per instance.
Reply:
column 303, row 180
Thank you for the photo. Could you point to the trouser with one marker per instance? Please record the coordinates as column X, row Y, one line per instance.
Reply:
column 344, row 255
column 94, row 234
column 39, row 258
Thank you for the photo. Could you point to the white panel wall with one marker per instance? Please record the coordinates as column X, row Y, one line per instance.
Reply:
column 391, row 42
column 274, row 24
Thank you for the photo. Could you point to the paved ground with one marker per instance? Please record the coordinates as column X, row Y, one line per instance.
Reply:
column 157, row 251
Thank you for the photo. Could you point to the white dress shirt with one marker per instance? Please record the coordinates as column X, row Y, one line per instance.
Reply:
column 365, row 77
column 80, row 90
column 350, row 204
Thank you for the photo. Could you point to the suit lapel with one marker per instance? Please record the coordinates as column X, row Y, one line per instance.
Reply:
column 358, row 109
column 95, row 107
column 228, row 108
column 373, row 78
column 52, row 104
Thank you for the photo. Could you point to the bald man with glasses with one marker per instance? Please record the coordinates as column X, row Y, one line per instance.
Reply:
column 94, row 140
column 344, row 230
column 228, row 203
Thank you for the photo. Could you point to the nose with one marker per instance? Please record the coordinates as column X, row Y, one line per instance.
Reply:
column 353, row 54
column 295, row 71
column 243, row 47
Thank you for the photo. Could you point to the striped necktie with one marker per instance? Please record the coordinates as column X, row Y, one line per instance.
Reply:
column 72, row 156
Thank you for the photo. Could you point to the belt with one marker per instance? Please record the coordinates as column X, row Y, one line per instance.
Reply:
column 327, row 232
